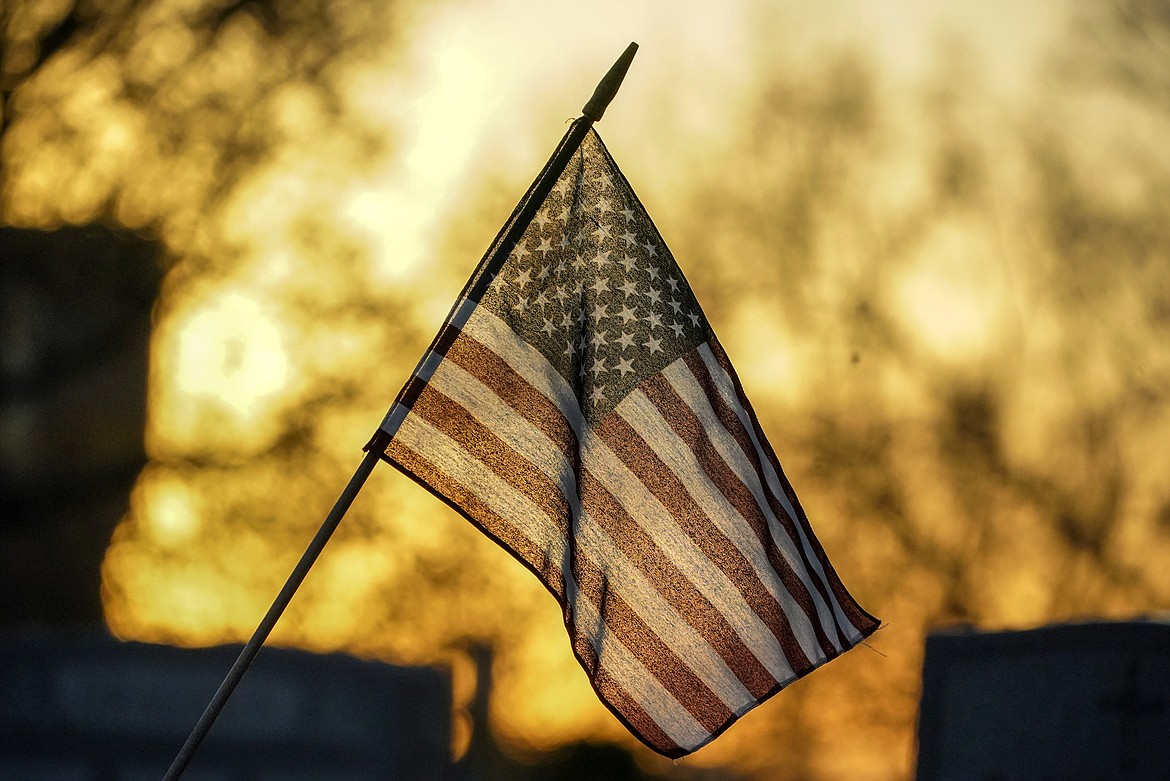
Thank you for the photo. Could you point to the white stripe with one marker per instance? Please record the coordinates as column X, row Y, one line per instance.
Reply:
column 426, row 366
column 628, row 673
column 684, row 383
column 533, row 445
column 663, row 620
column 449, row 457
column 645, row 418
column 523, row 436
column 727, row 390
column 394, row 418
column 524, row 359
column 530, row 364
column 675, row 545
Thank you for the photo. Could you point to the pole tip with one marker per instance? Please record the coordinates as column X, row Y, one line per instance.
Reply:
column 608, row 86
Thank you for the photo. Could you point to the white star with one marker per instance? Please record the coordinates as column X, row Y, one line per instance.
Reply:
column 544, row 246
column 624, row 366
column 597, row 394
column 675, row 305
column 522, row 304
column 601, row 258
column 598, row 364
column 626, row 340
column 630, row 288
column 653, row 272
column 654, row 296
column 627, row 315
column 570, row 349
column 600, row 285
column 694, row 318
column 650, row 248
column 673, row 282
column 654, row 345
column 654, row 320
column 603, row 205
column 630, row 238
column 602, row 233
column 601, row 339
column 541, row 300
column 567, row 320
column 548, row 327
column 524, row 278
column 541, row 219
column 677, row 328
column 628, row 213
column 629, row 263
column 600, row 312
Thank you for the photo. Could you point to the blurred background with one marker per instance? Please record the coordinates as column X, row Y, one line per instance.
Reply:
column 934, row 239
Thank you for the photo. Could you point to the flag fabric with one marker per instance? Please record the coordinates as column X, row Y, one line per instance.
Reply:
column 577, row 407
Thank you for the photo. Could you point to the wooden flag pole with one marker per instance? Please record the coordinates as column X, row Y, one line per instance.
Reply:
column 592, row 112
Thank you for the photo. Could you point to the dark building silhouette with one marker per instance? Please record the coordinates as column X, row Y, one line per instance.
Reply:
column 84, row 707
column 75, row 323
column 1080, row 702
column 75, row 704
column 78, row 705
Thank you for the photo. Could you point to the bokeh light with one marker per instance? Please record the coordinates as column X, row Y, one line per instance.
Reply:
column 932, row 237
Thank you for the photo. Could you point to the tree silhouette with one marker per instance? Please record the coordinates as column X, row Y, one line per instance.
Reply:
column 948, row 307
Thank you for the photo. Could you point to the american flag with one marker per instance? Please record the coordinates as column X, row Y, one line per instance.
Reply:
column 577, row 407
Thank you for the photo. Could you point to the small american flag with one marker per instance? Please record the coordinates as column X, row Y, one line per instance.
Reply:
column 577, row 407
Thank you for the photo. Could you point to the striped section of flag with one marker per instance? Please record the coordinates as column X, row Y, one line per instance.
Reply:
column 579, row 410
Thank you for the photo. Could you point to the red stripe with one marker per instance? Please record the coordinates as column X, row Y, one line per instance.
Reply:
column 451, row 418
column 491, row 370
column 673, row 672
column 621, row 702
column 734, row 426
column 860, row 619
column 690, row 429
column 673, row 585
column 470, row 434
column 469, row 504
column 674, row 496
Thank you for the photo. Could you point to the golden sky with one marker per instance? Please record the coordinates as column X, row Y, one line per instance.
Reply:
column 927, row 234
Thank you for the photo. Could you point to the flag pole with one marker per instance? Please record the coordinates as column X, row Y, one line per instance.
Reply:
column 592, row 112
column 252, row 647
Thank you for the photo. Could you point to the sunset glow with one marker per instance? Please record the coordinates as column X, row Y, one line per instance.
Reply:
column 948, row 306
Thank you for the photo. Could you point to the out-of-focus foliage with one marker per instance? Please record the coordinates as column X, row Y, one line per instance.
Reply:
column 152, row 111
column 947, row 305
column 952, row 312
